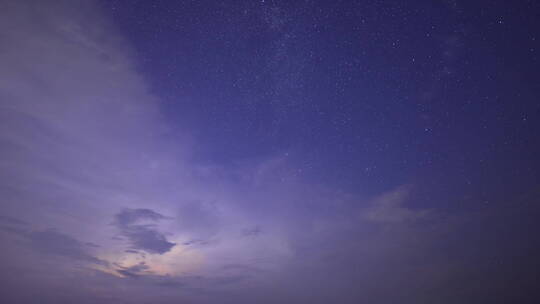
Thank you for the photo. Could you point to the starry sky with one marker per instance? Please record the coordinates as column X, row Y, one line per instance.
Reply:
column 269, row 151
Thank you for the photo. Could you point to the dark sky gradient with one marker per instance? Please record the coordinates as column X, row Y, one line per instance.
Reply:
column 367, row 95
column 269, row 151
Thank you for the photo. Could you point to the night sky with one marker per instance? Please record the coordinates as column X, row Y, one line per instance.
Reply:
column 269, row 151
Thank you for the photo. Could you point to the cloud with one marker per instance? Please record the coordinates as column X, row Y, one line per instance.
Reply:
column 49, row 242
column 388, row 208
column 147, row 239
column 56, row 243
column 81, row 139
column 129, row 216
column 12, row 221
column 252, row 232
column 142, row 236
column 134, row 271
column 12, row 225
column 196, row 242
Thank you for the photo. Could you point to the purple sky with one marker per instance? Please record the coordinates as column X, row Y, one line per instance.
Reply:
column 107, row 198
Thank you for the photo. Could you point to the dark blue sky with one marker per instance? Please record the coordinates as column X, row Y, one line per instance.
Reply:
column 365, row 95
column 269, row 151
